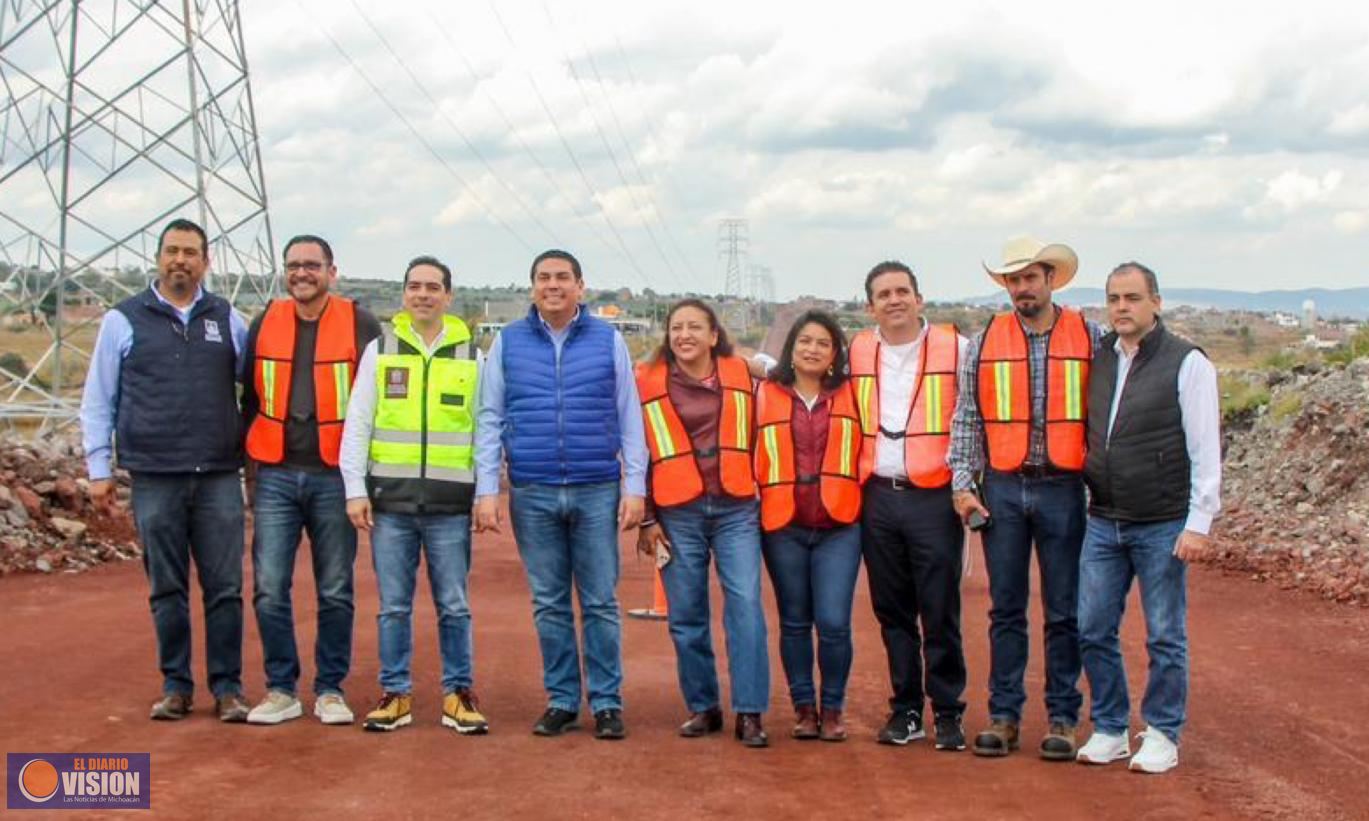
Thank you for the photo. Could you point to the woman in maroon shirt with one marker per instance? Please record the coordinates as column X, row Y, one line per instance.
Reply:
column 701, row 495
column 814, row 560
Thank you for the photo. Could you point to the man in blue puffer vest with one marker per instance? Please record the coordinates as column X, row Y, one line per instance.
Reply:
column 570, row 423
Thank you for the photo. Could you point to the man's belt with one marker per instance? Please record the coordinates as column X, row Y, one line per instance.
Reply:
column 890, row 434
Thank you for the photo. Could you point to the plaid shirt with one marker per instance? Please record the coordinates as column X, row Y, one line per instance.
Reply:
column 966, row 457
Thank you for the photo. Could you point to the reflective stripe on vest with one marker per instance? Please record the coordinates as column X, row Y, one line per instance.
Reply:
column 1005, row 401
column 927, row 432
column 424, row 418
column 839, row 481
column 335, row 360
column 675, row 477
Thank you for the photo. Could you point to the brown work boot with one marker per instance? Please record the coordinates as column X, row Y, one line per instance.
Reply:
column 833, row 726
column 703, row 723
column 805, row 722
column 749, row 730
column 172, row 707
column 998, row 740
column 1059, row 743
column 232, row 708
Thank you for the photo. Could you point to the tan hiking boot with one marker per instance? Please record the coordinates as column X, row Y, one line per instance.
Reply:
column 1059, row 743
column 461, row 712
column 999, row 739
column 394, row 710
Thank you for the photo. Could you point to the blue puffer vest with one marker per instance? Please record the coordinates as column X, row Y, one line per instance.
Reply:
column 178, row 401
column 560, row 419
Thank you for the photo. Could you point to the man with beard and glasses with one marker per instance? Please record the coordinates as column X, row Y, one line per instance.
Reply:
column 302, row 357
column 1017, row 459
column 160, row 399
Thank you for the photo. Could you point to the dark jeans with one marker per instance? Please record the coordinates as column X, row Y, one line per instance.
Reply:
column 286, row 502
column 814, row 573
column 180, row 515
column 914, row 548
column 1048, row 512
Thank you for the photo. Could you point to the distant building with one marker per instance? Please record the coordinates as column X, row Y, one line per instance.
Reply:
column 1309, row 314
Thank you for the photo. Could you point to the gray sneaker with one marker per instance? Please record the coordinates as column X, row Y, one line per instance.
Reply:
column 331, row 708
column 276, row 707
column 231, row 709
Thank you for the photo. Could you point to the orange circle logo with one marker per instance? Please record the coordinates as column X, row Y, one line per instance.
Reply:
column 38, row 780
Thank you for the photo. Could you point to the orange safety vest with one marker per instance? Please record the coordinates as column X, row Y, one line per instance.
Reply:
column 1005, row 401
column 335, row 363
column 927, row 434
column 839, row 481
column 675, row 477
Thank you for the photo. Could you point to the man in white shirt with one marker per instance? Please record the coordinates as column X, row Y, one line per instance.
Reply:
column 1154, row 470
column 905, row 375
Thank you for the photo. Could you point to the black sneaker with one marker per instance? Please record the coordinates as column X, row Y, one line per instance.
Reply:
column 609, row 724
column 555, row 721
column 950, row 735
column 903, row 726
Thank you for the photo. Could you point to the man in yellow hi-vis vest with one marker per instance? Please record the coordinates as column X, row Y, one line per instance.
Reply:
column 408, row 464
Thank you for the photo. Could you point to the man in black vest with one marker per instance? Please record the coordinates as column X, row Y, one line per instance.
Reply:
column 162, row 384
column 1154, row 475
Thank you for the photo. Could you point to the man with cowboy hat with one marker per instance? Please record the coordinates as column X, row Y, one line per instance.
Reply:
column 1017, row 456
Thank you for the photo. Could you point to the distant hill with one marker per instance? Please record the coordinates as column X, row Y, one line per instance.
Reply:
column 1344, row 302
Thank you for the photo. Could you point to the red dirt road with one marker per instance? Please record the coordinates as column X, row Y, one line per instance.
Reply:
column 1277, row 719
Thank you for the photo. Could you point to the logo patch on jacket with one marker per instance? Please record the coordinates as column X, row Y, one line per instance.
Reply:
column 211, row 331
column 455, row 399
column 396, row 383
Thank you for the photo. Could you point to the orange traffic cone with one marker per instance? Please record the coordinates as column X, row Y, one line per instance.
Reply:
column 658, row 609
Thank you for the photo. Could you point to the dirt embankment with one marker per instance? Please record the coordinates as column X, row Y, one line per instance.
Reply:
column 1296, row 494
column 47, row 523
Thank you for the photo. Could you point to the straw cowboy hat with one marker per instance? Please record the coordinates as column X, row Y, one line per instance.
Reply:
column 1019, row 252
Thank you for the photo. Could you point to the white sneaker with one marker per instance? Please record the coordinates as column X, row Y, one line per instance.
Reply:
column 278, row 706
column 332, row 709
column 1157, row 754
column 1104, row 749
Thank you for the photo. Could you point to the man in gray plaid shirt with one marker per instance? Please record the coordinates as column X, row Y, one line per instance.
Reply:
column 1016, row 456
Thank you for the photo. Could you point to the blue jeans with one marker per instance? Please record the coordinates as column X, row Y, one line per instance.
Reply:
column 1114, row 553
column 184, row 515
column 1049, row 512
column 396, row 540
column 568, row 536
column 814, row 573
column 286, row 502
column 730, row 530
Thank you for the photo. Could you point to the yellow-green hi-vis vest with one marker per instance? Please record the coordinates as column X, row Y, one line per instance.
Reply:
column 423, row 443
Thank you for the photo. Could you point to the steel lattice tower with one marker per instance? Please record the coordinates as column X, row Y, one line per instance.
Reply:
column 118, row 116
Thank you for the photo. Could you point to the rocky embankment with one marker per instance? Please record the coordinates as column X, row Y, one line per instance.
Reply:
column 1296, row 491
column 47, row 523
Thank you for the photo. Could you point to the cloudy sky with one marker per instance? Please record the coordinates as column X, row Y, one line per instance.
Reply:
column 1226, row 144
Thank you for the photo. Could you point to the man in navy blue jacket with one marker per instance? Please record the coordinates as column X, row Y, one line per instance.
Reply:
column 564, row 421
column 161, row 384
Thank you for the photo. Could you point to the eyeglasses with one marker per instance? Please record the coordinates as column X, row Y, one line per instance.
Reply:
column 311, row 266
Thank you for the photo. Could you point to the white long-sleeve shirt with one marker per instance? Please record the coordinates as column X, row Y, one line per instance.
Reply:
column 1202, row 419
column 900, row 369
column 354, row 456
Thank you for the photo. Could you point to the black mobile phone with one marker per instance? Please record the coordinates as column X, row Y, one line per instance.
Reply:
column 978, row 521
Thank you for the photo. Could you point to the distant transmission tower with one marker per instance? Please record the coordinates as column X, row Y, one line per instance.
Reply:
column 762, row 284
column 733, row 244
column 118, row 116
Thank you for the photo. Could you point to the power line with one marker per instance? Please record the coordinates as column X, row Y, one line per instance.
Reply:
column 651, row 129
column 632, row 156
column 612, row 155
column 513, row 132
column 415, row 132
column 522, row 205
column 560, row 135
